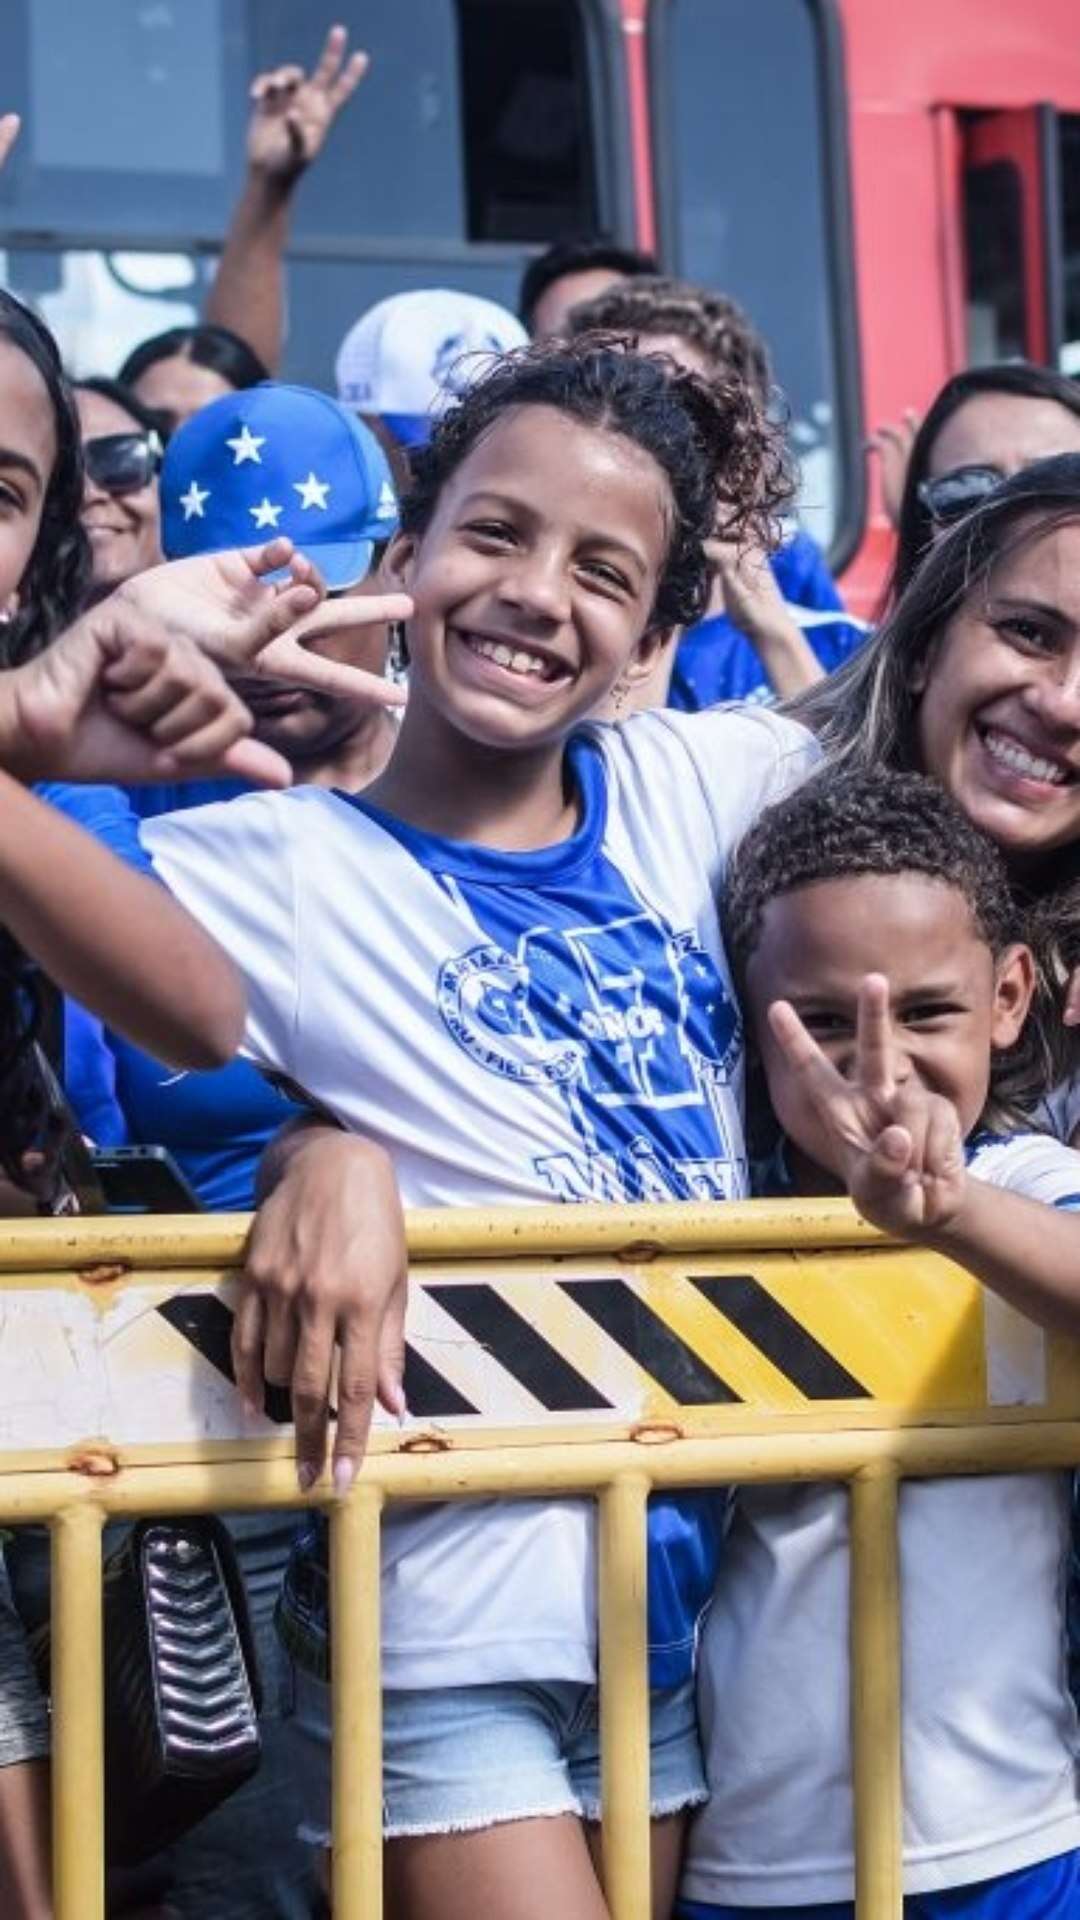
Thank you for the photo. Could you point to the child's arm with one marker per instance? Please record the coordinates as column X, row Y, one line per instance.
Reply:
column 900, row 1152
column 325, row 1271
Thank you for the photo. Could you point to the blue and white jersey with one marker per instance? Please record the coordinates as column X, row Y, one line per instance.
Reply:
column 990, row 1730
column 513, row 1028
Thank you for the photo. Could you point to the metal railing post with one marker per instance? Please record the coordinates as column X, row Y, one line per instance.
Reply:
column 357, row 1877
column 876, row 1694
column 78, row 1762
column 624, row 1697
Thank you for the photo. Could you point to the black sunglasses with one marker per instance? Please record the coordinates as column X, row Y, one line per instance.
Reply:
column 122, row 462
column 951, row 495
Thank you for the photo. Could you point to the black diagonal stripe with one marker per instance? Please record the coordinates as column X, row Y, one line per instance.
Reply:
column 206, row 1321
column 428, row 1393
column 780, row 1337
column 536, row 1365
column 632, row 1323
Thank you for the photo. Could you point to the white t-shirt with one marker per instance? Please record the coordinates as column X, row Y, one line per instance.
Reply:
column 512, row 1027
column 990, row 1732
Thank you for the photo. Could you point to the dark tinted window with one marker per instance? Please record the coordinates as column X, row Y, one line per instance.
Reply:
column 1069, row 126
column 743, row 113
column 132, row 152
column 994, row 252
column 528, row 120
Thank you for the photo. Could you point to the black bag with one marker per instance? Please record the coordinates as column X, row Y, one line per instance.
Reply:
column 182, row 1691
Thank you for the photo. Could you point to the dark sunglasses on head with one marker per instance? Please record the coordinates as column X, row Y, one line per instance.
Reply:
column 122, row 462
column 951, row 495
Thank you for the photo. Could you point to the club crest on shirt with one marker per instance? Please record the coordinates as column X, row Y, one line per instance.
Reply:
column 626, row 1012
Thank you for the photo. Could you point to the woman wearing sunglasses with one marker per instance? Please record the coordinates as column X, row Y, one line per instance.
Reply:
column 985, row 425
column 122, row 449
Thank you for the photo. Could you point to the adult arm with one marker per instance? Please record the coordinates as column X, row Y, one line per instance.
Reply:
column 325, row 1274
column 292, row 114
column 745, row 588
column 113, row 938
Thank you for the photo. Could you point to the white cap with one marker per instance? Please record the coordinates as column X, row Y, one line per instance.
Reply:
column 409, row 358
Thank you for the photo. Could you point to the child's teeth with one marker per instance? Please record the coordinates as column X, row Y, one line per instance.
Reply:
column 512, row 658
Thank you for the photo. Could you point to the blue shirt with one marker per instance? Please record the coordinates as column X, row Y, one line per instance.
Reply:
column 716, row 661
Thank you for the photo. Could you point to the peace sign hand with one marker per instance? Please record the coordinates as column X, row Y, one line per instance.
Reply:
column 293, row 112
column 898, row 1147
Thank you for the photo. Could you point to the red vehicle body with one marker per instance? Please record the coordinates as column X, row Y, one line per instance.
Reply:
column 935, row 92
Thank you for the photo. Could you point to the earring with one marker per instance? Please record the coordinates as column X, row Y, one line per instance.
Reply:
column 620, row 694
column 398, row 650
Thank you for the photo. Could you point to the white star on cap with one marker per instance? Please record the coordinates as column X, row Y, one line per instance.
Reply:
column 266, row 514
column 194, row 501
column 312, row 491
column 246, row 446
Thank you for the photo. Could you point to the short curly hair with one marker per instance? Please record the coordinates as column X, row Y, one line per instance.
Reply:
column 843, row 825
column 657, row 304
column 724, row 461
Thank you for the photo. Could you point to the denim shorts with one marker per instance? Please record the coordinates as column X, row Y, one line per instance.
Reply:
column 459, row 1758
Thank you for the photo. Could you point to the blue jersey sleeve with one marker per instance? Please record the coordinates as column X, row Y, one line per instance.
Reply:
column 106, row 812
column 89, row 1066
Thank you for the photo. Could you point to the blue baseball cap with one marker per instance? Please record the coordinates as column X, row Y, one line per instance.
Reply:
column 276, row 459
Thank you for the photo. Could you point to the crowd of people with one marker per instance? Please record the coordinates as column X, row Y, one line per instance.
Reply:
column 469, row 788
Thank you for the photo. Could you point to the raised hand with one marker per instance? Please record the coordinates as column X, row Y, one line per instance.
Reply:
column 130, row 692
column 293, row 111
column 897, row 1147
column 222, row 603
column 116, row 699
column 893, row 443
column 9, row 133
column 744, row 587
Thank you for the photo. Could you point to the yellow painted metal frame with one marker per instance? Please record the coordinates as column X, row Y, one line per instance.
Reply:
column 75, row 1501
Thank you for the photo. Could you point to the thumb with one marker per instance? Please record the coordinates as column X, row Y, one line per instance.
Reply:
column 889, row 1163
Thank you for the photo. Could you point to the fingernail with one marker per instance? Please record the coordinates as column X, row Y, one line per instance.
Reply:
column 306, row 1474
column 344, row 1475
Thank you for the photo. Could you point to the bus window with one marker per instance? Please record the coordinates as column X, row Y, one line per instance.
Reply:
column 752, row 201
column 1012, row 240
column 485, row 125
column 994, row 255
column 528, row 120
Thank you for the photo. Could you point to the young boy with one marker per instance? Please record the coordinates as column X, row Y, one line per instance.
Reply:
column 871, row 930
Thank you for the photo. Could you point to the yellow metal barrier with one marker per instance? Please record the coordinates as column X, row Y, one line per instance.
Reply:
column 586, row 1350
